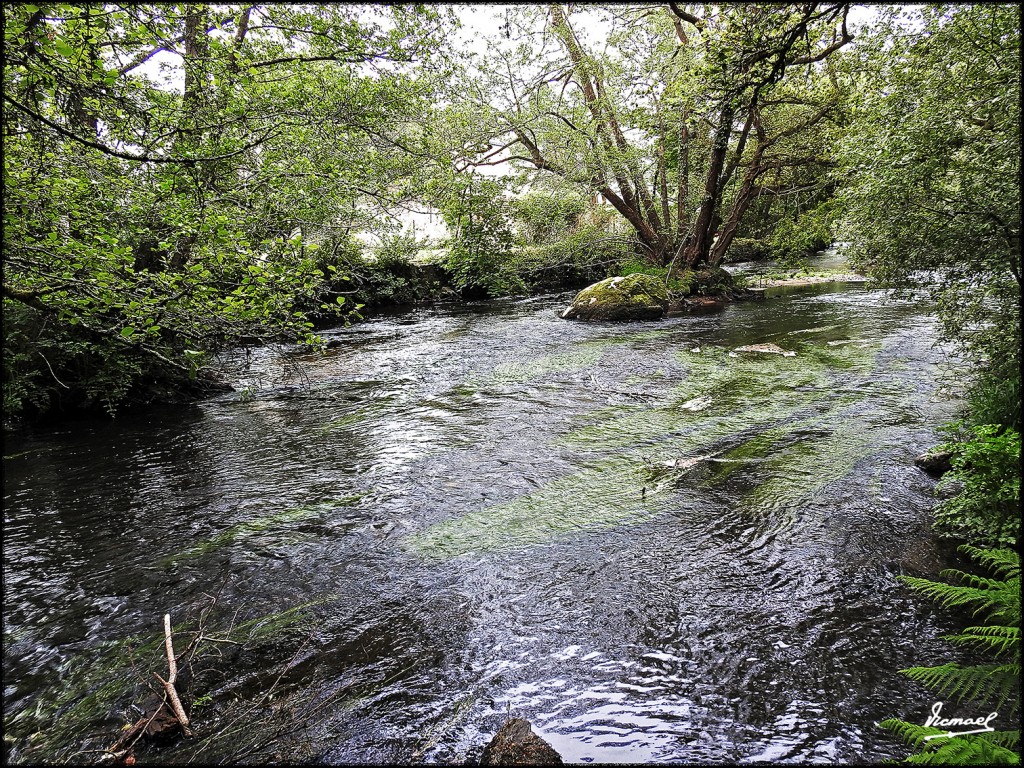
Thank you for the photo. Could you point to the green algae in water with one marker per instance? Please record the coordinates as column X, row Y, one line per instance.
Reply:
column 251, row 527
column 758, row 393
column 806, row 470
column 582, row 356
column 520, row 372
column 754, row 383
column 605, row 495
column 361, row 414
column 81, row 713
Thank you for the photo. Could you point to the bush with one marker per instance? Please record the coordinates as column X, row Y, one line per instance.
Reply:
column 747, row 249
column 986, row 460
column 51, row 368
column 995, row 399
column 389, row 275
column 480, row 248
column 796, row 239
column 543, row 217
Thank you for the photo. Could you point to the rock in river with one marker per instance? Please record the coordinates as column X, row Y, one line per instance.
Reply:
column 633, row 297
column 935, row 462
column 515, row 743
column 774, row 349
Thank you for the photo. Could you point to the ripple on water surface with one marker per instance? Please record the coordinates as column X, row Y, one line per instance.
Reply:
column 653, row 546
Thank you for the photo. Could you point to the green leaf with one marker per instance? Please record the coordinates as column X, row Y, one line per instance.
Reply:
column 128, row 330
column 64, row 48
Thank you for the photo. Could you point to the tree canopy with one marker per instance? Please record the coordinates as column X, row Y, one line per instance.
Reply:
column 181, row 177
column 680, row 123
column 155, row 220
column 930, row 171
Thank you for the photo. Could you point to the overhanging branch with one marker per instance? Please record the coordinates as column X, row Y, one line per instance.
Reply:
column 128, row 155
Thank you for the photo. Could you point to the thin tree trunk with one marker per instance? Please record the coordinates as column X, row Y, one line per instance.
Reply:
column 683, row 176
column 739, row 208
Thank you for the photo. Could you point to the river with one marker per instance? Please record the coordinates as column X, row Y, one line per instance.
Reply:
column 466, row 512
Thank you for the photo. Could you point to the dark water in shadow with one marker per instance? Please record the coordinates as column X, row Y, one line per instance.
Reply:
column 472, row 508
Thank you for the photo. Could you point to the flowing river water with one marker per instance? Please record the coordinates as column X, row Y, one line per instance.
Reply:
column 466, row 512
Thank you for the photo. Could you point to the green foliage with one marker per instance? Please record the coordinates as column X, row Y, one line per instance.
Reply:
column 389, row 274
column 795, row 239
column 657, row 127
column 397, row 251
column 545, row 217
column 976, row 749
column 994, row 398
column 930, row 164
column 986, row 462
column 481, row 245
column 153, row 224
column 996, row 599
column 48, row 366
column 747, row 249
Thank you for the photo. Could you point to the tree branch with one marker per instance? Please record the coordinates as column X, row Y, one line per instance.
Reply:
column 127, row 155
column 845, row 38
column 686, row 16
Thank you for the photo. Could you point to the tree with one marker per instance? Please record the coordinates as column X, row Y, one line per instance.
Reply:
column 931, row 169
column 679, row 126
column 148, row 223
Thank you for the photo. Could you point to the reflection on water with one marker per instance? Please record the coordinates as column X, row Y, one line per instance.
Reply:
column 475, row 506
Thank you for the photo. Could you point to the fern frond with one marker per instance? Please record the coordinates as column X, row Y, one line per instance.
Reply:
column 911, row 734
column 957, row 750
column 965, row 750
column 1008, row 739
column 1004, row 563
column 983, row 749
column 1000, row 598
column 985, row 682
column 970, row 580
column 995, row 639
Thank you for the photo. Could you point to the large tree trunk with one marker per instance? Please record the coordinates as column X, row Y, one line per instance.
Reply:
column 699, row 246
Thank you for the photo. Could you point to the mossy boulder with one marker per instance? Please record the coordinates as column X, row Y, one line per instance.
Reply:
column 633, row 297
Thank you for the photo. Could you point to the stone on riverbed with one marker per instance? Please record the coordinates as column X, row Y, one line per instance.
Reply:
column 633, row 297
column 774, row 349
column 935, row 463
column 515, row 743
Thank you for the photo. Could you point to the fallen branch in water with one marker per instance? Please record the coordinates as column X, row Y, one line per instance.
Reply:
column 122, row 751
column 172, row 676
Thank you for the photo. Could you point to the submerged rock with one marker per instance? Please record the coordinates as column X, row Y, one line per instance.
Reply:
column 515, row 743
column 774, row 349
column 935, row 463
column 633, row 297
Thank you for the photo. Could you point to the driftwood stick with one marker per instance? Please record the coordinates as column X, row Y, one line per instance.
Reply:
column 172, row 664
column 172, row 696
column 168, row 684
